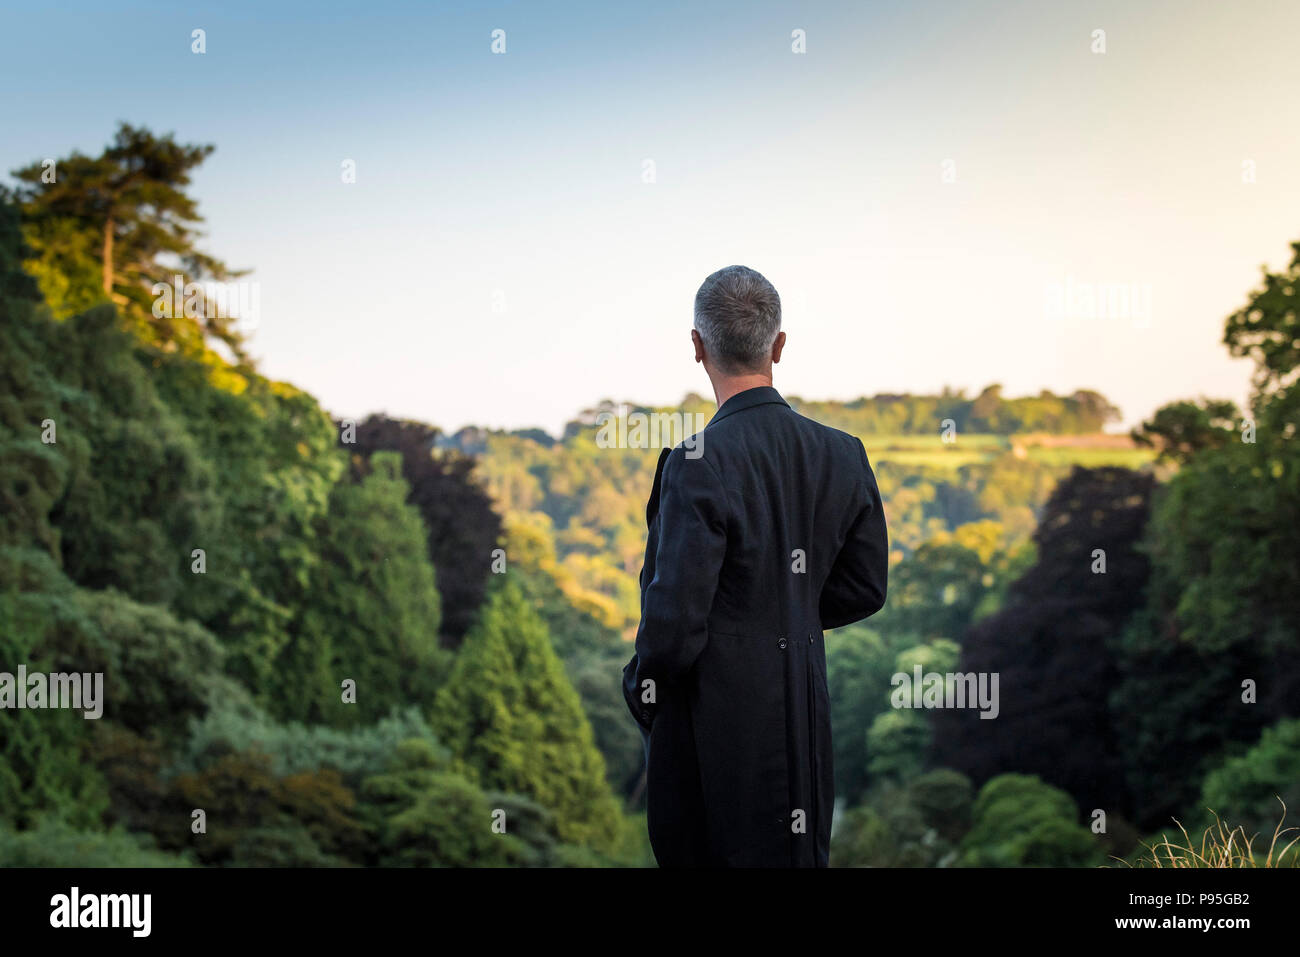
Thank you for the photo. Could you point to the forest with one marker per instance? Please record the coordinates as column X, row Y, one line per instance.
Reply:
column 377, row 643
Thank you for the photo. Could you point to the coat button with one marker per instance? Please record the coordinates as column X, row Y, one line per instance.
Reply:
column 810, row 638
column 781, row 644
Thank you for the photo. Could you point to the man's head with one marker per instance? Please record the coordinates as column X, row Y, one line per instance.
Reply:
column 737, row 324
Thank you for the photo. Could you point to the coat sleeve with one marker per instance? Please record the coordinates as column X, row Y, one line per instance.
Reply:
column 855, row 588
column 673, row 631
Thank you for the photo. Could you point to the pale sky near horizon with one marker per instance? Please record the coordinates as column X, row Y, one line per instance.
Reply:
column 499, row 260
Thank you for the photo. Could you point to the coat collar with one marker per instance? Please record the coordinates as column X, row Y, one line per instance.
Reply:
column 759, row 395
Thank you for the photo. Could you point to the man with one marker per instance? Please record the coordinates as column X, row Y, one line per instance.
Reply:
column 765, row 529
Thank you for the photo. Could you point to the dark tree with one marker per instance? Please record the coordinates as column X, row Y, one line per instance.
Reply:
column 1267, row 328
column 15, row 283
column 1179, row 430
column 463, row 528
column 1050, row 646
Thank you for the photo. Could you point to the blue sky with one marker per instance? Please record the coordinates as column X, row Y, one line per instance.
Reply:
column 500, row 261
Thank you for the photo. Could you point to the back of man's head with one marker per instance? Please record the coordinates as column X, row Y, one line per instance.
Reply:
column 738, row 316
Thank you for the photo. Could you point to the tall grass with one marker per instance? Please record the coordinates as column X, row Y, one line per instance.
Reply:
column 1220, row 846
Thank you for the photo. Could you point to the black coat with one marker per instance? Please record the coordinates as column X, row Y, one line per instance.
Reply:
column 764, row 533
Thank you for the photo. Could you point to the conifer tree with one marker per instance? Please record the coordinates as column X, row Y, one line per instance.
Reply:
column 105, row 228
column 515, row 723
column 372, row 611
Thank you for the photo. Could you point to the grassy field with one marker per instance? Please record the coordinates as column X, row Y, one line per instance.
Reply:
column 931, row 451
column 935, row 442
column 943, row 459
column 1093, row 457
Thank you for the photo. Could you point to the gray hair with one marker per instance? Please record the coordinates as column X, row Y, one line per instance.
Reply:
column 738, row 315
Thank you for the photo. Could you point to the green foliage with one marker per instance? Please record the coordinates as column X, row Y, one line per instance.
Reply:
column 897, row 742
column 131, row 765
column 592, row 651
column 276, row 462
column 598, row 682
column 861, row 840
column 1259, row 784
column 936, row 590
column 159, row 671
column 1181, row 709
column 1267, row 328
column 425, row 816
column 1018, row 821
column 917, row 825
column 52, row 844
column 872, row 740
column 15, row 282
column 535, row 828
column 581, row 507
column 515, row 723
column 1182, row 429
column 156, row 455
column 1049, row 647
column 587, row 501
column 939, row 655
column 192, row 534
column 307, row 816
column 989, row 412
column 463, row 530
column 105, row 228
column 43, row 772
column 859, row 663
column 120, row 490
column 159, row 453
column 1219, row 561
column 355, row 753
column 1225, row 560
column 372, row 610
column 944, row 799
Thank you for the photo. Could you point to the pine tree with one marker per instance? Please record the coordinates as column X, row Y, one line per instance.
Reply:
column 515, row 723
column 103, row 227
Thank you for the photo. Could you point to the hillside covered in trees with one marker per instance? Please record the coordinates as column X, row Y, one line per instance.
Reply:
column 371, row 643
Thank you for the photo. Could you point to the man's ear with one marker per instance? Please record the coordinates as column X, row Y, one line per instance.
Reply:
column 778, row 346
column 699, row 345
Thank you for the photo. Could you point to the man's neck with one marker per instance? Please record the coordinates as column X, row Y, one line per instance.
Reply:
column 725, row 388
